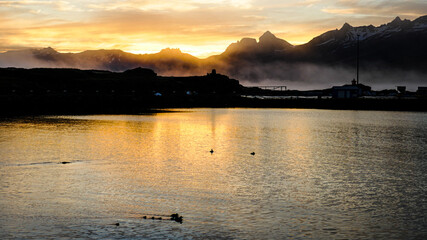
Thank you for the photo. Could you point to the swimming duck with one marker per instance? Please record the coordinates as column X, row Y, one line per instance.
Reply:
column 176, row 217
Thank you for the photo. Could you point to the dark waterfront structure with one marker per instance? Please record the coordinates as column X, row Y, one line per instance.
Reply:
column 422, row 91
column 346, row 91
column 354, row 90
column 72, row 91
column 63, row 91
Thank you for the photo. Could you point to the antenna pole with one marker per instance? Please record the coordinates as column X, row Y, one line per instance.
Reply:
column 357, row 59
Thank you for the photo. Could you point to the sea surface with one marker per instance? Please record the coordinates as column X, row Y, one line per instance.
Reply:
column 316, row 174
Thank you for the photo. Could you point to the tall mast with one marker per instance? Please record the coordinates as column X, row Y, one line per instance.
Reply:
column 357, row 59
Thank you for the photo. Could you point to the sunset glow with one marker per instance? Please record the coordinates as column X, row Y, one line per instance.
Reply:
column 201, row 28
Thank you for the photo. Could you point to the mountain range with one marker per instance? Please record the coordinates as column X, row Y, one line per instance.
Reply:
column 390, row 54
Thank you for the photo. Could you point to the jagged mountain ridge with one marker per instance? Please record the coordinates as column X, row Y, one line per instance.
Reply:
column 399, row 44
column 332, row 45
column 167, row 62
column 267, row 44
column 394, row 52
column 349, row 33
column 404, row 38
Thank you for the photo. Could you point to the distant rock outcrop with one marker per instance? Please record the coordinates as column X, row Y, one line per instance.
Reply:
column 268, row 42
column 249, row 47
column 141, row 72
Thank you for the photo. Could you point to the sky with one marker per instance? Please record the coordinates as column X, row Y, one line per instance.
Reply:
column 199, row 27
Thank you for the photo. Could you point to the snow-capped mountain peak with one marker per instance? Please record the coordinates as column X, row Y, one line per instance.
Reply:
column 348, row 35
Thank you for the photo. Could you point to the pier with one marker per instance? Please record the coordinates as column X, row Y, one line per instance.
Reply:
column 274, row 88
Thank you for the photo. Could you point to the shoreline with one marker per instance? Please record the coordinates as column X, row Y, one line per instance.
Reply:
column 139, row 91
column 33, row 108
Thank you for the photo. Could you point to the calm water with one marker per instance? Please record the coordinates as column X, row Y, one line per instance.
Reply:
column 316, row 174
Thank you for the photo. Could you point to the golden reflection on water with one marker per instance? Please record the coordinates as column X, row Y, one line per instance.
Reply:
column 165, row 150
column 314, row 174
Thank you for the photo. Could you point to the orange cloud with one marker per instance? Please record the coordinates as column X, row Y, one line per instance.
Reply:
column 199, row 27
column 339, row 11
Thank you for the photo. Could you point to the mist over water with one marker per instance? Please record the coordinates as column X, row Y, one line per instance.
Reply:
column 296, row 76
column 250, row 72
column 316, row 174
column 308, row 76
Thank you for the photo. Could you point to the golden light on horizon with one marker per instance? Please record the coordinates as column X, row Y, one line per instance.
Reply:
column 200, row 28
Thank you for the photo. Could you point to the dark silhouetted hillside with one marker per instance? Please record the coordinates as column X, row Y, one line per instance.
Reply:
column 66, row 91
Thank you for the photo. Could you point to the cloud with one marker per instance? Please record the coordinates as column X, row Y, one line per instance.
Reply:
column 339, row 11
column 31, row 5
column 18, row 3
column 149, row 25
column 409, row 8
column 171, row 5
column 203, row 30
